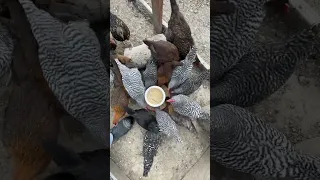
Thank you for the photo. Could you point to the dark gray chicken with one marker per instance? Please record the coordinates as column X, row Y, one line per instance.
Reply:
column 151, row 143
column 262, row 72
column 69, row 55
column 179, row 32
column 232, row 35
column 6, row 49
column 244, row 142
column 144, row 118
column 118, row 28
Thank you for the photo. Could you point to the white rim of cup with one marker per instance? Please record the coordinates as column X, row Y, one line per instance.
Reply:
column 163, row 99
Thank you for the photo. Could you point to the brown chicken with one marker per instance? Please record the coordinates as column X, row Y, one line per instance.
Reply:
column 32, row 113
column 119, row 96
column 165, row 72
column 163, row 51
column 179, row 32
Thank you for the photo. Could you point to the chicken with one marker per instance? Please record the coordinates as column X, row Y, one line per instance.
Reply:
column 69, row 55
column 246, row 143
column 119, row 96
column 231, row 36
column 180, row 73
column 183, row 105
column 166, row 70
column 123, row 59
column 118, row 28
column 6, row 49
column 113, row 43
column 167, row 125
column 151, row 143
column 163, row 51
column 150, row 73
column 183, row 121
column 33, row 112
column 162, row 80
column 89, row 165
column 179, row 32
column 144, row 118
column 193, row 82
column 71, row 10
column 132, row 81
column 263, row 71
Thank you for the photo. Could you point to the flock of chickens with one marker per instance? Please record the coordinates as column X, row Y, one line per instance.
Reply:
column 243, row 75
column 58, row 67
column 56, row 70
column 175, row 65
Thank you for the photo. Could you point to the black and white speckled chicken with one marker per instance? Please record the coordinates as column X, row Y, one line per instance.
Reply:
column 231, row 35
column 194, row 81
column 167, row 125
column 150, row 73
column 70, row 59
column 244, row 142
column 183, row 105
column 118, row 28
column 263, row 71
column 181, row 73
column 151, row 143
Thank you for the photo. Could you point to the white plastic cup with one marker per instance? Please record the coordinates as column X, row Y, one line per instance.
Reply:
column 163, row 94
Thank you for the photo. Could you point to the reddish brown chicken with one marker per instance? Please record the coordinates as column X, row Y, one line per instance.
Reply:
column 165, row 72
column 33, row 113
column 119, row 96
column 163, row 51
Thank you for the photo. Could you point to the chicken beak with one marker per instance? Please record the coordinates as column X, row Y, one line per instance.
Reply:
column 170, row 100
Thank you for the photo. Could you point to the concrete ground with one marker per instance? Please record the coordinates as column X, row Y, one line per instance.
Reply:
column 173, row 160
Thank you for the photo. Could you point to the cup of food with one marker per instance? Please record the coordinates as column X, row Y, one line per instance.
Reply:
column 155, row 96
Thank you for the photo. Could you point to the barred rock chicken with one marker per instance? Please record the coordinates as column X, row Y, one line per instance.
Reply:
column 132, row 81
column 181, row 73
column 118, row 28
column 193, row 82
column 162, row 51
column 119, row 96
column 6, row 49
column 69, row 55
column 87, row 165
column 151, row 143
column 232, row 35
column 167, row 125
column 263, row 71
column 33, row 112
column 179, row 32
column 144, row 118
column 246, row 143
column 150, row 73
column 183, row 105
